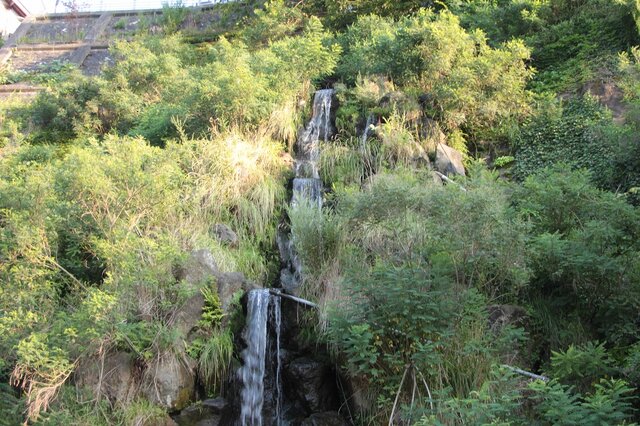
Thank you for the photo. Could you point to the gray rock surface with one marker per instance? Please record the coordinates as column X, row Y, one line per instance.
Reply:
column 111, row 377
column 449, row 161
column 329, row 418
column 313, row 383
column 225, row 235
column 169, row 381
column 503, row 315
column 205, row 413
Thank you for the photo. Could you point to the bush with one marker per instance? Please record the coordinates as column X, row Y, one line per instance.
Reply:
column 467, row 83
column 570, row 137
column 584, row 251
column 608, row 404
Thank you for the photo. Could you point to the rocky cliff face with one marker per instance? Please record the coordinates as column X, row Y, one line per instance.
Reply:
column 169, row 379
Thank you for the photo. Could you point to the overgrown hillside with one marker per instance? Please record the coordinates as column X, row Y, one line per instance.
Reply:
column 138, row 206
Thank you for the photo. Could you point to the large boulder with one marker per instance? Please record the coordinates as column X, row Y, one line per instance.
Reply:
column 503, row 315
column 230, row 283
column 225, row 235
column 449, row 160
column 329, row 418
column 313, row 383
column 169, row 381
column 111, row 377
column 431, row 133
column 205, row 413
column 605, row 89
column 201, row 268
column 360, row 398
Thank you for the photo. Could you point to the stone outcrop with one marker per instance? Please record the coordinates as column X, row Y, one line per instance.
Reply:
column 449, row 161
column 313, row 383
column 329, row 418
column 202, row 267
column 360, row 400
column 225, row 235
column 112, row 376
column 205, row 413
column 430, row 131
column 503, row 315
column 169, row 378
column 169, row 381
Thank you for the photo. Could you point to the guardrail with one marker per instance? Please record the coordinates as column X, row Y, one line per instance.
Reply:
column 129, row 5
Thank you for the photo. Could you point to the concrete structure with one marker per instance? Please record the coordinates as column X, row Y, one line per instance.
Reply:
column 12, row 13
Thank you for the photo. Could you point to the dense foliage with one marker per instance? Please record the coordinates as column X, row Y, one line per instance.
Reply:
column 109, row 183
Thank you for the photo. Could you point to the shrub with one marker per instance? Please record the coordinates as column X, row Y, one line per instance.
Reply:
column 583, row 250
column 608, row 404
column 571, row 137
column 468, row 84
column 581, row 366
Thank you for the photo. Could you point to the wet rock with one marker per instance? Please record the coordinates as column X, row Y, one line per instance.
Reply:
column 290, row 283
column 307, row 169
column 360, row 399
column 329, row 418
column 449, row 161
column 431, row 133
column 503, row 315
column 313, row 383
column 225, row 235
column 112, row 377
column 200, row 414
column 215, row 405
column 169, row 381
column 200, row 268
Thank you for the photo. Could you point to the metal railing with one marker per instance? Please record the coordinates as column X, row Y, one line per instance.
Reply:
column 53, row 6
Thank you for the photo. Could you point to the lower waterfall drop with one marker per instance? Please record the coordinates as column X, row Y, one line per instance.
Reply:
column 277, row 319
column 252, row 372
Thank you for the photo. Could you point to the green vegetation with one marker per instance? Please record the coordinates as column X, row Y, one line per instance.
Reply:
column 108, row 185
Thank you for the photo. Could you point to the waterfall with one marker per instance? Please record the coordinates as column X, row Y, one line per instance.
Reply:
column 307, row 183
column 365, row 134
column 252, row 372
column 277, row 319
column 306, row 186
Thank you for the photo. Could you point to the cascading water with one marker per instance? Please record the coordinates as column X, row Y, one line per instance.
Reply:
column 365, row 133
column 277, row 319
column 306, row 186
column 307, row 181
column 252, row 372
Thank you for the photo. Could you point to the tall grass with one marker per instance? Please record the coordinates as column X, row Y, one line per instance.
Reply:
column 215, row 358
column 318, row 239
column 342, row 163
